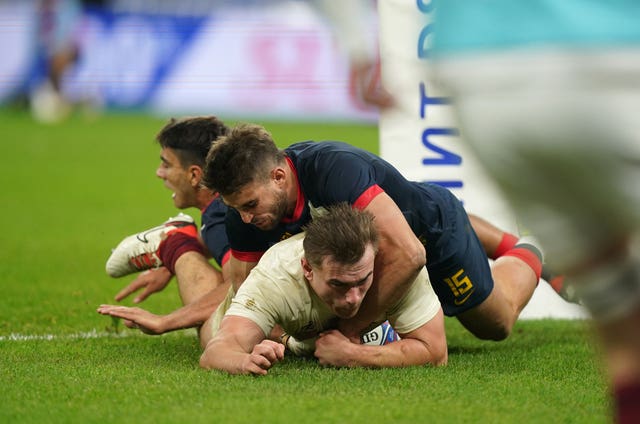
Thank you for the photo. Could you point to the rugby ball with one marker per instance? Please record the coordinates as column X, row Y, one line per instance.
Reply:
column 381, row 335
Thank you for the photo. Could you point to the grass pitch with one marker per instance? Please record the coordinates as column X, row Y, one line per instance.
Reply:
column 70, row 192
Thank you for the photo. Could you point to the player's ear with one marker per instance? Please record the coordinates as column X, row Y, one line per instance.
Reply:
column 195, row 175
column 306, row 268
column 278, row 174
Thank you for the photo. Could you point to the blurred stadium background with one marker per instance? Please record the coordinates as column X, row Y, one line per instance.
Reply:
column 259, row 59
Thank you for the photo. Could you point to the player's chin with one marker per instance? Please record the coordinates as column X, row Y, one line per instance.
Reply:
column 265, row 225
column 179, row 203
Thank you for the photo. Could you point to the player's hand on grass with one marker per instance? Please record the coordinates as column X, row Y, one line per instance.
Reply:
column 152, row 281
column 263, row 356
column 332, row 348
column 134, row 317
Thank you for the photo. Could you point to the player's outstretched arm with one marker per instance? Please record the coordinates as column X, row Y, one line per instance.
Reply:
column 134, row 317
column 188, row 316
column 240, row 347
column 425, row 345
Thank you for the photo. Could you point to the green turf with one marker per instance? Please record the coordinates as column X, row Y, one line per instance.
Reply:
column 72, row 191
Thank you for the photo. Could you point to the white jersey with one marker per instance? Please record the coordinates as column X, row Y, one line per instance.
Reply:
column 276, row 292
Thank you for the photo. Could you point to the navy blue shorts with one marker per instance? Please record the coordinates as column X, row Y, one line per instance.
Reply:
column 456, row 261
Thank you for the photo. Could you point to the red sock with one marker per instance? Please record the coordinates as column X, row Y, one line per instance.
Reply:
column 507, row 243
column 556, row 283
column 627, row 403
column 530, row 255
column 176, row 245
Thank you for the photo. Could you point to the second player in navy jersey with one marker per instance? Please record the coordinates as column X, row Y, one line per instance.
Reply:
column 184, row 144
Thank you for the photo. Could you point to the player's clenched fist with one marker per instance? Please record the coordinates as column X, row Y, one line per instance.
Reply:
column 332, row 348
column 263, row 356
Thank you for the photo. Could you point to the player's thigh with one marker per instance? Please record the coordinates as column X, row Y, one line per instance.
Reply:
column 461, row 277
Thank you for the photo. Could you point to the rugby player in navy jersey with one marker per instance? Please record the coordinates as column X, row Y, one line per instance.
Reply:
column 174, row 247
column 272, row 193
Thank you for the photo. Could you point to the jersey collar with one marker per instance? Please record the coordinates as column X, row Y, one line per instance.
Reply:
column 300, row 201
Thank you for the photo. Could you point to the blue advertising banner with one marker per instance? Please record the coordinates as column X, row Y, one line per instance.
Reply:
column 275, row 61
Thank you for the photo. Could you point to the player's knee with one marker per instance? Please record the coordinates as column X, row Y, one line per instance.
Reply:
column 496, row 333
column 495, row 328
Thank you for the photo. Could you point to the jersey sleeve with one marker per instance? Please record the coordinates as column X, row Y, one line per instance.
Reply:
column 213, row 231
column 340, row 176
column 275, row 292
column 258, row 299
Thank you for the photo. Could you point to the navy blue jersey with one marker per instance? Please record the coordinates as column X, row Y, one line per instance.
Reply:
column 330, row 172
column 213, row 232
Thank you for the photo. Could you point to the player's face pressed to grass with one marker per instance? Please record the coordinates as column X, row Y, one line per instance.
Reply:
column 261, row 204
column 341, row 286
column 176, row 178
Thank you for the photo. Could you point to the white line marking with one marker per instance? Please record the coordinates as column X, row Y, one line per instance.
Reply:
column 93, row 334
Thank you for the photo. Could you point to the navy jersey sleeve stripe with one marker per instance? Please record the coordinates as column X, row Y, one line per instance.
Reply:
column 366, row 197
column 247, row 256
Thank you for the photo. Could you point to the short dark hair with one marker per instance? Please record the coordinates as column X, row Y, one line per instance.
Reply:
column 341, row 233
column 191, row 137
column 246, row 154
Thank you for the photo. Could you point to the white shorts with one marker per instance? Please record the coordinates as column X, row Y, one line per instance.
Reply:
column 560, row 133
